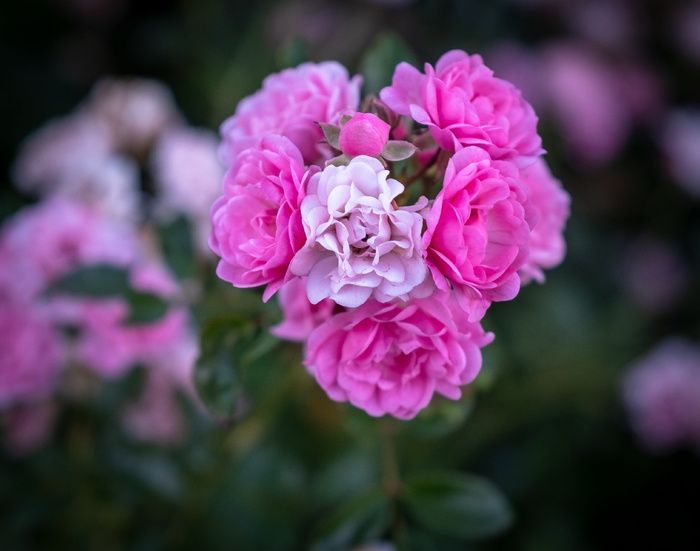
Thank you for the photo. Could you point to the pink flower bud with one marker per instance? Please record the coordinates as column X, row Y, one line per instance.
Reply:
column 364, row 134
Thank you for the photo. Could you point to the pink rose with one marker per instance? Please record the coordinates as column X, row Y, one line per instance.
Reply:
column 551, row 203
column 463, row 104
column 256, row 223
column 478, row 230
column 364, row 134
column 389, row 359
column 300, row 316
column 359, row 244
column 292, row 103
column 661, row 393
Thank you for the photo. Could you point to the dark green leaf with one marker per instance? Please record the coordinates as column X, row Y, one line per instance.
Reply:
column 145, row 308
column 98, row 280
column 216, row 377
column 361, row 520
column 378, row 64
column 457, row 505
column 178, row 250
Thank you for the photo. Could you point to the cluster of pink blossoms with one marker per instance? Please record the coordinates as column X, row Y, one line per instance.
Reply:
column 389, row 227
column 86, row 168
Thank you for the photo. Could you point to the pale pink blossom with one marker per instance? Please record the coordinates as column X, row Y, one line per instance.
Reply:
column 188, row 176
column 391, row 359
column 292, row 103
column 300, row 316
column 478, row 230
column 662, row 394
column 359, row 244
column 256, row 223
column 551, row 204
column 49, row 156
column 31, row 354
column 464, row 104
column 136, row 111
column 364, row 134
column 109, row 184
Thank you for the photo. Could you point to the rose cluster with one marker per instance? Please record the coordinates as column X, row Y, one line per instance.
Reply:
column 389, row 226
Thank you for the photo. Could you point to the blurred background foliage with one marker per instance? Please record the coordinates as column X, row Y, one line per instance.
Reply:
column 282, row 467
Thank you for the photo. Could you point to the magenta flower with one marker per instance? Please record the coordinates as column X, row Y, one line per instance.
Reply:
column 300, row 316
column 292, row 103
column 662, row 393
column 359, row 244
column 464, row 104
column 551, row 203
column 364, row 134
column 389, row 359
column 478, row 230
column 256, row 223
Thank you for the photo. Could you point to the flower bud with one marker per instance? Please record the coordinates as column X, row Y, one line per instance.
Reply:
column 364, row 134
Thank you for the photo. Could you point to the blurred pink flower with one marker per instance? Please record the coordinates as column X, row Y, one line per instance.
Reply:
column 587, row 101
column 478, row 230
column 110, row 346
column 391, row 359
column 463, row 104
column 364, row 134
column 189, row 177
column 256, row 223
column 136, row 111
column 156, row 416
column 292, row 103
column 31, row 354
column 359, row 244
column 680, row 141
column 551, row 203
column 300, row 316
column 647, row 260
column 46, row 241
column 51, row 154
column 662, row 394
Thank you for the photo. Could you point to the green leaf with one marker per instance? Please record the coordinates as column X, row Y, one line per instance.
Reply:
column 378, row 64
column 145, row 308
column 363, row 519
column 457, row 505
column 97, row 280
column 178, row 249
column 398, row 150
column 216, row 376
column 331, row 133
